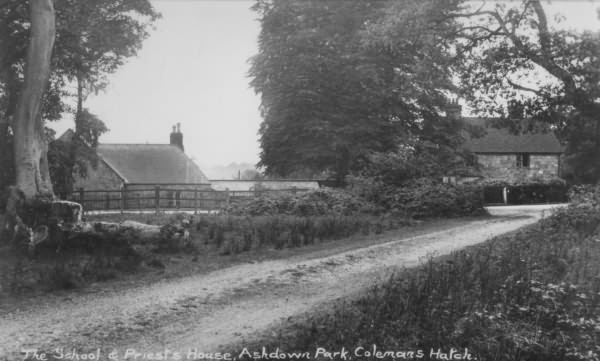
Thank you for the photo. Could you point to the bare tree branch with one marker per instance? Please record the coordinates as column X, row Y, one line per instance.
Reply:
column 547, row 62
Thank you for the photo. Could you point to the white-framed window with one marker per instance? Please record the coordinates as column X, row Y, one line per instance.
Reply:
column 523, row 160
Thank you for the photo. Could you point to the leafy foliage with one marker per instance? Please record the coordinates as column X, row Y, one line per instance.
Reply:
column 319, row 202
column 419, row 198
column 334, row 88
column 506, row 42
column 422, row 197
column 93, row 39
column 74, row 155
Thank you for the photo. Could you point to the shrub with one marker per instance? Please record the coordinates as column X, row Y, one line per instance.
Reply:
column 233, row 234
column 60, row 277
column 424, row 198
column 585, row 194
column 533, row 191
column 421, row 198
column 312, row 203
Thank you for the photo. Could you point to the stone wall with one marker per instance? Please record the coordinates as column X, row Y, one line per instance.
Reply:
column 246, row 185
column 503, row 167
column 101, row 178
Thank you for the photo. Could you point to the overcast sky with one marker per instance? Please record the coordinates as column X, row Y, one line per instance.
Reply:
column 193, row 70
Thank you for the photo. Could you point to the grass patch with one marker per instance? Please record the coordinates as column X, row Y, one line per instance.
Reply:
column 533, row 295
column 210, row 236
column 233, row 234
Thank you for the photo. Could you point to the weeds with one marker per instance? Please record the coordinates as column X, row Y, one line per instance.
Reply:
column 534, row 295
column 235, row 234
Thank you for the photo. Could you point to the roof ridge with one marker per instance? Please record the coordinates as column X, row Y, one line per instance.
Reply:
column 164, row 163
column 138, row 144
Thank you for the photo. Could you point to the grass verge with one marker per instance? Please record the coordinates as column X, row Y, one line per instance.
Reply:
column 533, row 295
column 216, row 242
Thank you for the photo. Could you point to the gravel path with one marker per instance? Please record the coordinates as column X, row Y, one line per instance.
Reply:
column 228, row 306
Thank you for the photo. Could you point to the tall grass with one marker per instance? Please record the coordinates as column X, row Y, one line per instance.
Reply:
column 235, row 234
column 232, row 234
column 534, row 295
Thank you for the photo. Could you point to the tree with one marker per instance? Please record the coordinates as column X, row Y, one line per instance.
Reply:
column 251, row 174
column 507, row 42
column 32, row 173
column 73, row 156
column 337, row 83
column 29, row 146
column 15, row 31
column 94, row 38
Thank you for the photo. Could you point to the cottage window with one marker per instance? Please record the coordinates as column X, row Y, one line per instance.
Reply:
column 523, row 160
column 471, row 160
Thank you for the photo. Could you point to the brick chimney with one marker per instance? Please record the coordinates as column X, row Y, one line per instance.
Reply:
column 454, row 110
column 177, row 137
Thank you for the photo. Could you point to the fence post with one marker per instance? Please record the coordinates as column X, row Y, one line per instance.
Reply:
column 227, row 197
column 124, row 196
column 122, row 200
column 139, row 204
column 107, row 201
column 177, row 199
column 81, row 199
column 196, row 200
column 482, row 197
column 157, row 198
column 294, row 190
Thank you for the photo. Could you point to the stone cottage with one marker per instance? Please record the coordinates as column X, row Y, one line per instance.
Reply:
column 501, row 155
column 125, row 164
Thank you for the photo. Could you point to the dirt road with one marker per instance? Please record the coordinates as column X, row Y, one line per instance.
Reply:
column 231, row 305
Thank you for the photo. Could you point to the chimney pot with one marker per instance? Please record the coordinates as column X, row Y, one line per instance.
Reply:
column 176, row 138
column 454, row 110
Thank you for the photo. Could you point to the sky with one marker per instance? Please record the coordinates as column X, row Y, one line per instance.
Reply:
column 193, row 70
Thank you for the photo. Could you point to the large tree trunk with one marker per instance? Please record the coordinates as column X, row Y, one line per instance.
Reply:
column 32, row 176
column 30, row 147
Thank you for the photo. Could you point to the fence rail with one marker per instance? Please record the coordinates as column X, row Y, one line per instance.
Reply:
column 165, row 197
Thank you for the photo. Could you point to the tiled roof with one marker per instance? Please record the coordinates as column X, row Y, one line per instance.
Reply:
column 151, row 163
column 503, row 141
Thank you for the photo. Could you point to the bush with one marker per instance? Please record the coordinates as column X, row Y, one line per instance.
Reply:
column 585, row 194
column 423, row 197
column 317, row 202
column 529, row 192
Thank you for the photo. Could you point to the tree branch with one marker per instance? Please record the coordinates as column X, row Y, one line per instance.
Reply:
column 546, row 61
column 524, row 88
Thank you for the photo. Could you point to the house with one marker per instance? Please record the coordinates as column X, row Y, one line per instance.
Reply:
column 503, row 156
column 149, row 164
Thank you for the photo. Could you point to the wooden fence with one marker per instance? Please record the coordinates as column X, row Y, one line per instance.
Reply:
column 165, row 197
